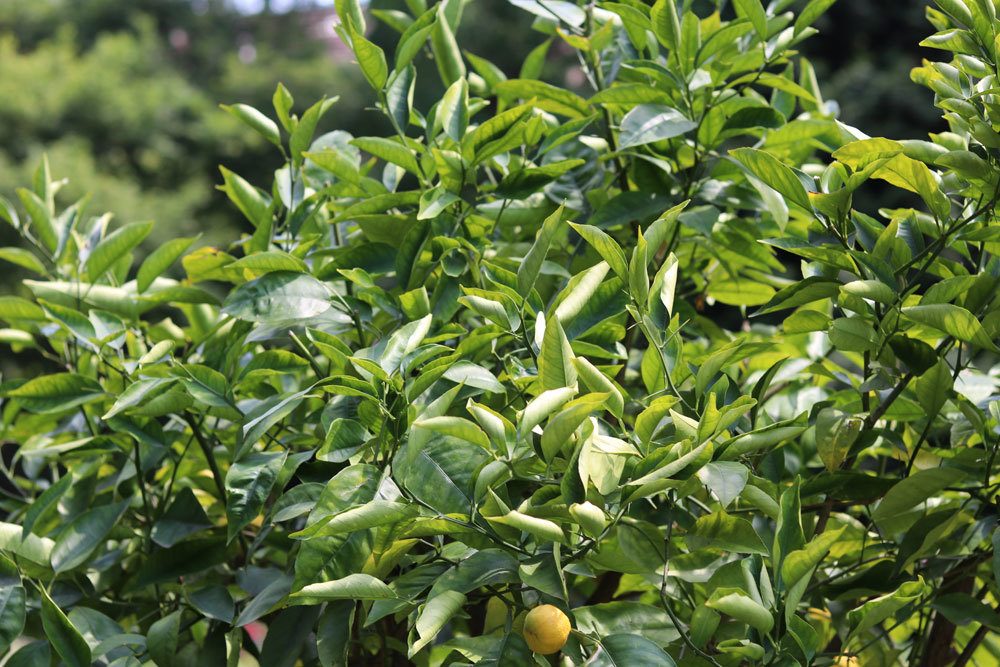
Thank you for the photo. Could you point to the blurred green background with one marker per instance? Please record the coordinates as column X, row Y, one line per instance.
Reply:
column 123, row 94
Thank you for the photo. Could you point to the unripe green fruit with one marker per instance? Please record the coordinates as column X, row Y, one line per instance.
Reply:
column 590, row 517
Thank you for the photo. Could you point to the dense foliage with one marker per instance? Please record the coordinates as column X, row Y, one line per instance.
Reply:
column 632, row 355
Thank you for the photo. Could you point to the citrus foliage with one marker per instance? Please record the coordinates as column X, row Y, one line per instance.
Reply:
column 630, row 353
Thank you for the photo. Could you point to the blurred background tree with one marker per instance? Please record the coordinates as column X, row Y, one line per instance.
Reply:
column 123, row 94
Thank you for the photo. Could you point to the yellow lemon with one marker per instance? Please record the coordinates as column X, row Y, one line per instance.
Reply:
column 847, row 661
column 546, row 629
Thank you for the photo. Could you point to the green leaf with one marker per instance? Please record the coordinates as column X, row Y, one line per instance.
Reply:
column 725, row 479
column 740, row 292
column 629, row 94
column 282, row 295
column 268, row 261
column 774, row 173
column 736, row 603
column 248, row 483
column 875, row 290
column 561, row 426
column 579, row 292
column 84, row 534
column 138, row 392
column 780, row 83
column 45, row 502
column 674, row 466
column 522, row 183
column 962, row 609
column 638, row 273
column 18, row 308
column 606, row 247
column 545, row 96
column 12, row 613
column 754, row 12
column 534, row 62
column 873, row 612
column 434, row 616
column 722, row 531
column 282, row 102
column 9, row 213
column 56, row 393
column 611, row 618
column 23, row 258
column 853, row 334
column 835, row 433
column 453, row 110
column 447, row 55
column 916, row 354
column 42, row 224
column 933, row 387
column 995, row 542
column 627, row 649
column 302, row 135
column 490, row 73
column 800, row 564
column 813, row 288
column 648, row 123
column 370, row 58
column 541, row 407
column 370, row 515
column 184, row 517
column 389, row 150
column 749, row 118
column 352, row 587
column 160, row 260
column 61, row 633
column 350, row 14
column 510, row 649
column 344, row 438
column 206, row 385
column 952, row 320
column 399, row 95
column 456, row 427
column 542, row 529
column 161, row 640
column 666, row 23
column 333, row 633
column 531, row 266
column 31, row 655
column 256, row 120
column 555, row 360
column 914, row 490
column 596, row 381
column 114, row 247
column 251, row 203
column 188, row 556
column 266, row 414
column 567, row 12
column 402, row 342
column 13, row 539
column 413, row 39
column 497, row 127
column 275, row 591
column 433, row 202
column 810, row 13
column 473, row 375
